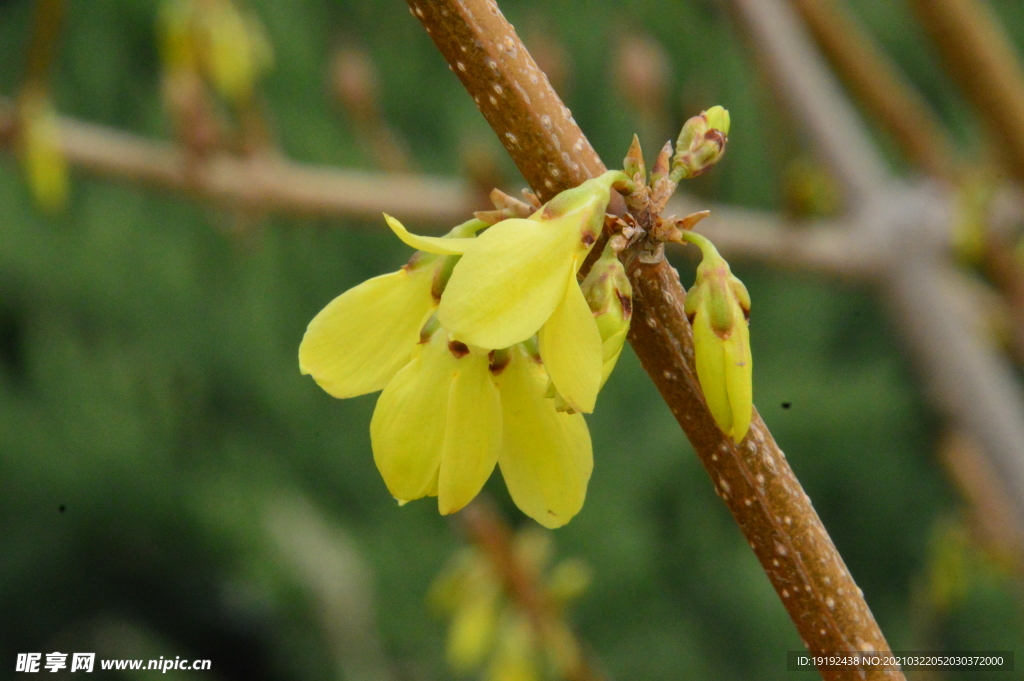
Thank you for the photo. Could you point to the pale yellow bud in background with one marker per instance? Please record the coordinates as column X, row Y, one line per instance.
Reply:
column 46, row 169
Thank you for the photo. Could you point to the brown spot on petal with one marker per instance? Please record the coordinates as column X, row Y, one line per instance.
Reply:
column 589, row 238
column 627, row 304
column 458, row 349
column 498, row 360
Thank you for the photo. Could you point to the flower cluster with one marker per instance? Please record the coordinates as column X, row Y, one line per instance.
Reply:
column 489, row 629
column 487, row 351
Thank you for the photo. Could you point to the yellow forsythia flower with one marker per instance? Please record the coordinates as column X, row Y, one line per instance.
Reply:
column 519, row 279
column 237, row 50
column 363, row 337
column 438, row 425
column 546, row 456
column 448, row 411
column 717, row 306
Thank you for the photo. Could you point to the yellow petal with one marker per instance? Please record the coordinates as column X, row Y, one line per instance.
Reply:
column 430, row 244
column 357, row 343
column 472, row 434
column 570, row 345
column 545, row 457
column 610, row 351
column 738, row 378
column 710, row 358
column 408, row 426
column 508, row 283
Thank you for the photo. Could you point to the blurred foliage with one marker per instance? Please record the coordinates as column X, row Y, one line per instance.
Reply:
column 152, row 414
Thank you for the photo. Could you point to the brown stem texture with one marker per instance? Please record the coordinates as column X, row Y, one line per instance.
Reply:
column 753, row 478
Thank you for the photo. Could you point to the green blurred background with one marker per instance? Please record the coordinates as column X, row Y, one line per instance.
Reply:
column 170, row 485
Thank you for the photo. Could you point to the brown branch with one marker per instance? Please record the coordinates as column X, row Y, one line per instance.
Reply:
column 753, row 478
column 750, row 234
column 46, row 22
column 991, row 512
column 512, row 93
column 257, row 183
column 889, row 98
column 981, row 59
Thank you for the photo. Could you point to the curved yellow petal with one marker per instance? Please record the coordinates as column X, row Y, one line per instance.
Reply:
column 472, row 434
column 359, row 341
column 738, row 378
column 545, row 456
column 430, row 244
column 710, row 359
column 508, row 283
column 570, row 345
column 408, row 426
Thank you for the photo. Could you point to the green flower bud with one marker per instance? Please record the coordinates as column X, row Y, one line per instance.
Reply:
column 661, row 165
column 718, row 306
column 633, row 164
column 718, row 119
column 701, row 143
column 609, row 296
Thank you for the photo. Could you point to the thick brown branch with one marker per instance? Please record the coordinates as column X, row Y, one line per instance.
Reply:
column 514, row 95
column 753, row 478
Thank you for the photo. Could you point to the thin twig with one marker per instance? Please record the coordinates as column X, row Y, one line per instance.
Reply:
column 750, row 234
column 831, row 124
column 980, row 57
column 46, row 22
column 992, row 515
column 753, row 478
column 258, row 183
column 327, row 191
